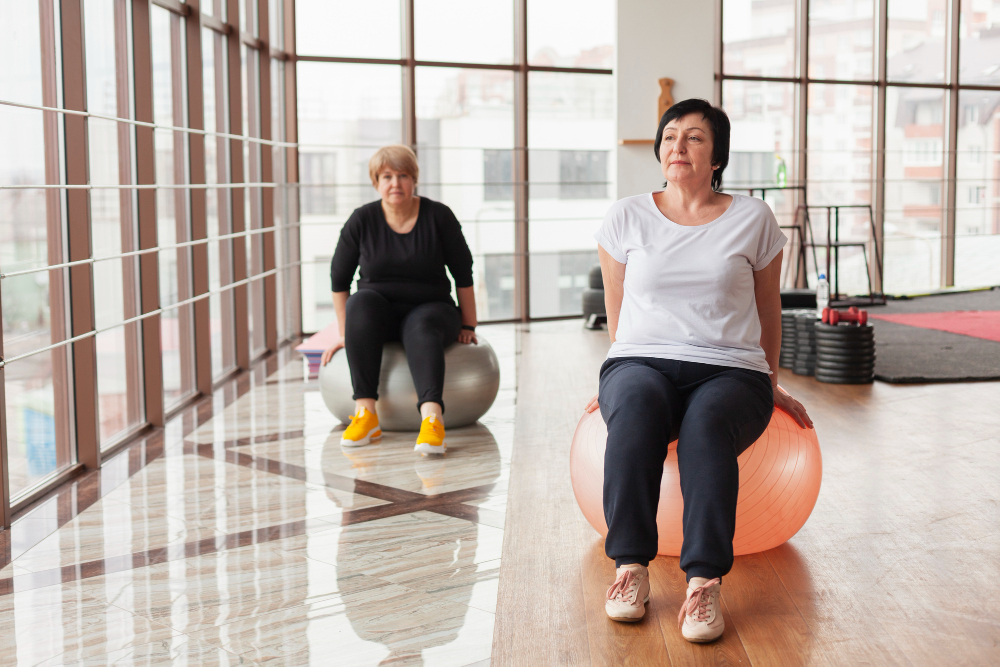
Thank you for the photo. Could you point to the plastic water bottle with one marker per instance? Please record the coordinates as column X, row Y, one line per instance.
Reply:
column 822, row 295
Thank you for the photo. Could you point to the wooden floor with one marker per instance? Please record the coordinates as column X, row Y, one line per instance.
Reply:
column 898, row 564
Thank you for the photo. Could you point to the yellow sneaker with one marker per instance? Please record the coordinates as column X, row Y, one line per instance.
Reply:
column 431, row 438
column 364, row 429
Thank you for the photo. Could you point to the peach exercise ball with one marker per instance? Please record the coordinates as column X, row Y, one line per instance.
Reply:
column 779, row 483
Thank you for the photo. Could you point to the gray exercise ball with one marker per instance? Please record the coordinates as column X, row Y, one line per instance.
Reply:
column 471, row 383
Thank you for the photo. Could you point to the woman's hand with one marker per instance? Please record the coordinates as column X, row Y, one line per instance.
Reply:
column 328, row 353
column 466, row 337
column 792, row 408
column 592, row 405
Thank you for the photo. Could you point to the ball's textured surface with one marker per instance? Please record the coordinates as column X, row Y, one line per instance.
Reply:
column 471, row 383
column 779, row 482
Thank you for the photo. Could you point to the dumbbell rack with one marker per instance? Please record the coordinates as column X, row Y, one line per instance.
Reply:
column 796, row 228
column 834, row 244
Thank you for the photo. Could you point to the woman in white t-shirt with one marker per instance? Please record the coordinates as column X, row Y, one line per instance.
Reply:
column 691, row 280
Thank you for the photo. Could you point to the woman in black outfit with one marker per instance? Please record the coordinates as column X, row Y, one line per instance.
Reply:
column 403, row 244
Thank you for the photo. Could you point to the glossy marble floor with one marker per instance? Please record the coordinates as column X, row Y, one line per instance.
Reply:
column 243, row 534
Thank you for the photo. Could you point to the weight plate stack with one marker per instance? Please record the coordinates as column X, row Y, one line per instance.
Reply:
column 788, row 336
column 804, row 362
column 845, row 353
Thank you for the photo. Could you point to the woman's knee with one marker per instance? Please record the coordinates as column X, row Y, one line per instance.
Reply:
column 365, row 309
column 730, row 414
column 432, row 322
column 636, row 389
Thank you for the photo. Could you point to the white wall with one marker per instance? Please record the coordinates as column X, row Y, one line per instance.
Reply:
column 657, row 38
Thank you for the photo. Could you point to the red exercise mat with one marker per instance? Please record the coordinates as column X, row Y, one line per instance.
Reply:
column 983, row 324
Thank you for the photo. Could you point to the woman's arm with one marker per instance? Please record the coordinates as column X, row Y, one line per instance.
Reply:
column 467, row 304
column 767, row 292
column 613, row 273
column 340, row 309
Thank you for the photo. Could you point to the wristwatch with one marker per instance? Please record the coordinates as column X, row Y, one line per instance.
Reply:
column 468, row 327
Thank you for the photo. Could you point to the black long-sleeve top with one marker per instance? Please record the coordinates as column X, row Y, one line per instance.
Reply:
column 409, row 268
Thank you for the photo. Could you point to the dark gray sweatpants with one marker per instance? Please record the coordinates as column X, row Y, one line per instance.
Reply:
column 716, row 412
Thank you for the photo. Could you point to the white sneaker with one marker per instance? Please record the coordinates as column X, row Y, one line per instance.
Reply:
column 627, row 597
column 700, row 618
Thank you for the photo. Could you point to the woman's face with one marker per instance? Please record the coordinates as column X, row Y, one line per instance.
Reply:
column 395, row 187
column 686, row 151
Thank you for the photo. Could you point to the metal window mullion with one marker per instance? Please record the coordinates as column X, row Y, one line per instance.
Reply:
column 238, row 255
column 520, row 164
column 270, row 291
column 182, row 201
column 409, row 74
column 802, row 122
column 5, row 513
column 292, row 157
column 78, row 234
column 145, row 168
column 126, row 121
column 951, row 183
column 199, row 202
column 139, row 318
column 881, row 42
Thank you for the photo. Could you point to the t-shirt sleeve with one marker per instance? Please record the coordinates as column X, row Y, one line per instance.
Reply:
column 457, row 255
column 347, row 254
column 609, row 236
column 771, row 239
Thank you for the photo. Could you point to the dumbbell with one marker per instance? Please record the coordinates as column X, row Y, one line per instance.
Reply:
column 852, row 314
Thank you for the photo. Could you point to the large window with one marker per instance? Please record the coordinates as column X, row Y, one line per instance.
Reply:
column 878, row 113
column 148, row 219
column 34, row 301
column 512, row 118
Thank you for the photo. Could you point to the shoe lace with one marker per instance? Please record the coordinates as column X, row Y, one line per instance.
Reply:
column 625, row 588
column 697, row 603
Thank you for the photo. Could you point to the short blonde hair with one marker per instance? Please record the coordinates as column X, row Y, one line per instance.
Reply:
column 396, row 156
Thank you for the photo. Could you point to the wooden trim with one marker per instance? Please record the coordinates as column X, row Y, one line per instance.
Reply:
column 267, row 175
column 236, row 175
column 145, row 163
column 84, row 361
column 199, row 203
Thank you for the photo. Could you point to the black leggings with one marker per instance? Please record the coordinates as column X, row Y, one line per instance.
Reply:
column 716, row 412
column 425, row 331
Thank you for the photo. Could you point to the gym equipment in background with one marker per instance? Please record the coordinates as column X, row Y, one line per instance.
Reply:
column 845, row 347
column 471, row 383
column 804, row 362
column 780, row 476
column 789, row 334
column 594, row 314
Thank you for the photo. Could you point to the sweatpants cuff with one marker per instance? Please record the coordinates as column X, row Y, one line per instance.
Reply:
column 706, row 571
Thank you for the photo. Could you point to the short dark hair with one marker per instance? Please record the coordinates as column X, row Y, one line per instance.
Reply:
column 717, row 120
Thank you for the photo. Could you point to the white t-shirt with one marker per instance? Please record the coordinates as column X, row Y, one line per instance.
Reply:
column 689, row 291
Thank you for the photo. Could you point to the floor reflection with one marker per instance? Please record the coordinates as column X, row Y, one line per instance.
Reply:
column 441, row 563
